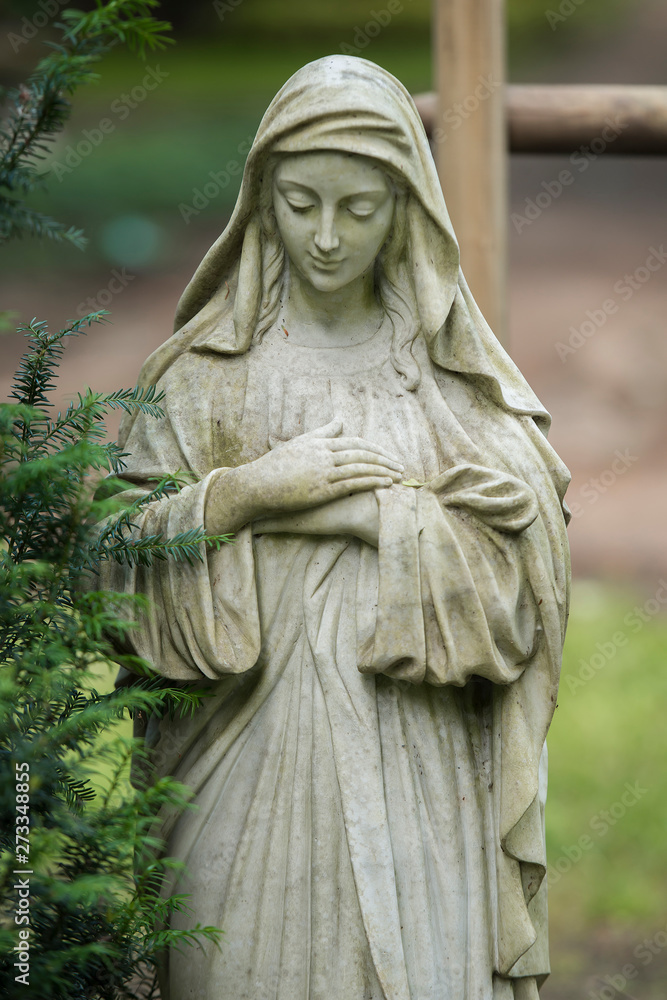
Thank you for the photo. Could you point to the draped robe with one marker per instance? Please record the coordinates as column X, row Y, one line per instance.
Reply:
column 369, row 768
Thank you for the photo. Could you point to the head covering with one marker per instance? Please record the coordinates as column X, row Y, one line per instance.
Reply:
column 349, row 105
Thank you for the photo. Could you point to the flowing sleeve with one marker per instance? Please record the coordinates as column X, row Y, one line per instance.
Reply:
column 454, row 598
column 200, row 620
column 469, row 587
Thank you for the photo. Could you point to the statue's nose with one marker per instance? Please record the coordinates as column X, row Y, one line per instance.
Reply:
column 326, row 237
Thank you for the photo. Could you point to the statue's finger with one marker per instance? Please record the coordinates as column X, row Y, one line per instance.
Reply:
column 346, row 486
column 354, row 470
column 347, row 443
column 356, row 455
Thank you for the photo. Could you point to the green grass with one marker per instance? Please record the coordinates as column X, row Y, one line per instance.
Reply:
column 609, row 732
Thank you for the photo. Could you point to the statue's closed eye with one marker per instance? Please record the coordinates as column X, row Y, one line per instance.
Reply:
column 361, row 213
column 299, row 206
column 357, row 213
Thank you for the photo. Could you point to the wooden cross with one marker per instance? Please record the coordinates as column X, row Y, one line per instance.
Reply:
column 474, row 120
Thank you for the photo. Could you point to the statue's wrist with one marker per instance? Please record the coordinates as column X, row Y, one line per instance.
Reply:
column 234, row 499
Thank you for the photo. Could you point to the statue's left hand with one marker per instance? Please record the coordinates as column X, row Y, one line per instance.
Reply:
column 352, row 515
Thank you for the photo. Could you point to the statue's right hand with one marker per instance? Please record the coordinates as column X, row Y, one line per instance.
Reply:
column 309, row 470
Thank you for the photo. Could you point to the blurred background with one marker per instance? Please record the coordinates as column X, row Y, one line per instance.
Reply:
column 155, row 187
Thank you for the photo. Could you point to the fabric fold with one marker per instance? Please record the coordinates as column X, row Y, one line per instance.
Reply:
column 448, row 608
column 193, row 628
column 399, row 645
column 499, row 500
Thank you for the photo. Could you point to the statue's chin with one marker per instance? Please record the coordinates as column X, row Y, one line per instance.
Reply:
column 332, row 277
column 328, row 278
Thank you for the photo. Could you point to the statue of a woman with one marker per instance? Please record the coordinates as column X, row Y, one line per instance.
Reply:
column 384, row 636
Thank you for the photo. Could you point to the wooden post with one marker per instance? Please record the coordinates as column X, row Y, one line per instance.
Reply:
column 470, row 142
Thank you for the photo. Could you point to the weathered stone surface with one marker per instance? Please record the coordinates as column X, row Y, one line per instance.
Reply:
column 383, row 639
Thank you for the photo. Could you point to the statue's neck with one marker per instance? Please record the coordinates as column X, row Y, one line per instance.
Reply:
column 317, row 318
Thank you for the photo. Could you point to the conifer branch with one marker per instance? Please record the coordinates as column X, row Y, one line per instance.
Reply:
column 39, row 109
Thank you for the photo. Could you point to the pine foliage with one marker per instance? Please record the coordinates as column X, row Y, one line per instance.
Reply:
column 97, row 918
column 99, row 907
column 39, row 109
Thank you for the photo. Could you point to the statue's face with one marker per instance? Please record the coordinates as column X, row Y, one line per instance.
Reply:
column 334, row 211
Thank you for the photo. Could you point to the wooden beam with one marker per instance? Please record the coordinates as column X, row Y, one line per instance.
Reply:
column 560, row 119
column 469, row 136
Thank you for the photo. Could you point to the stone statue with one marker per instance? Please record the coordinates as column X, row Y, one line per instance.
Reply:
column 383, row 638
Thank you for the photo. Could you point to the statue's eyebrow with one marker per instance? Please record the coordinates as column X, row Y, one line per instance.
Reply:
column 287, row 182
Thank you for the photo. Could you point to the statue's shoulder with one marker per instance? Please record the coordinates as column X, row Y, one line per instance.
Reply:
column 199, row 366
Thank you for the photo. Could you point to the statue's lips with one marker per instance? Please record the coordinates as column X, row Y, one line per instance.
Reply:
column 328, row 264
